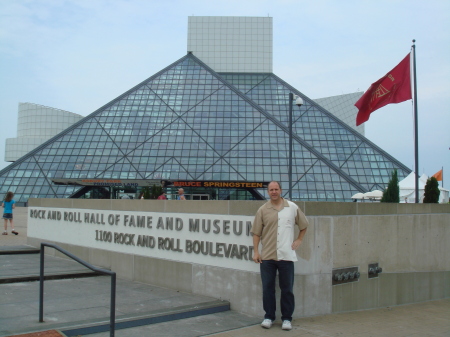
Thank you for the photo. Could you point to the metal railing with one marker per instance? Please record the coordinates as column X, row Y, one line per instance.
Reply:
column 87, row 265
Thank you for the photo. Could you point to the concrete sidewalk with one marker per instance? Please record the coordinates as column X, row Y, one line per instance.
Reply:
column 74, row 303
column 82, row 304
column 18, row 308
column 20, row 224
column 414, row 320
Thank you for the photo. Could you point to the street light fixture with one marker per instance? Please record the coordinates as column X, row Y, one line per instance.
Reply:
column 298, row 102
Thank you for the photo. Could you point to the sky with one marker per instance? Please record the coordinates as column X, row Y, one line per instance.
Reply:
column 79, row 55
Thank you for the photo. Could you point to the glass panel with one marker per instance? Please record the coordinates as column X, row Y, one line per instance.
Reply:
column 187, row 123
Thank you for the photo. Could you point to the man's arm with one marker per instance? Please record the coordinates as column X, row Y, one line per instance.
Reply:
column 302, row 223
column 297, row 242
column 256, row 255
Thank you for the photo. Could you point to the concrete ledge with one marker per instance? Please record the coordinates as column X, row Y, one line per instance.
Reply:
column 163, row 273
column 409, row 241
column 390, row 289
column 10, row 250
column 241, row 289
column 328, row 208
column 311, row 208
column 153, row 318
column 246, row 207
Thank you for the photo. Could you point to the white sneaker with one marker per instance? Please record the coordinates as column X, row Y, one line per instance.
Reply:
column 286, row 325
column 267, row 323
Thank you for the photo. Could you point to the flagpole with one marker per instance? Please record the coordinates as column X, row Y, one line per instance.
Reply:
column 416, row 132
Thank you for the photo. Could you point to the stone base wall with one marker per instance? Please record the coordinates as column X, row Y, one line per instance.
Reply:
column 411, row 242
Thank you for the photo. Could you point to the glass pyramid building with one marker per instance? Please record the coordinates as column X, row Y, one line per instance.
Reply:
column 189, row 123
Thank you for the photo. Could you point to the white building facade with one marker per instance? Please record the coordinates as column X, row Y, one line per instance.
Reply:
column 36, row 124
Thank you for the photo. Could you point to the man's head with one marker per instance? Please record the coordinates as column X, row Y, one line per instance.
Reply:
column 274, row 190
column 180, row 191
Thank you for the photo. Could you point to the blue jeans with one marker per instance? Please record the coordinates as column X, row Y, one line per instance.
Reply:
column 286, row 281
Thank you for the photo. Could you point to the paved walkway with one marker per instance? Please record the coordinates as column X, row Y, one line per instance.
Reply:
column 20, row 224
column 429, row 319
column 416, row 320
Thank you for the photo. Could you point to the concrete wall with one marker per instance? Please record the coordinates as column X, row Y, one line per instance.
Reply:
column 411, row 242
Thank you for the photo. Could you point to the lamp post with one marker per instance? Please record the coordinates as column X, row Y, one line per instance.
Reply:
column 298, row 102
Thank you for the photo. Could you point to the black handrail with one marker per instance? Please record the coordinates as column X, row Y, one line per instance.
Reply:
column 91, row 267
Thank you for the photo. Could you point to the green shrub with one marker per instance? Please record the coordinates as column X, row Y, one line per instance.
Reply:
column 432, row 192
column 146, row 192
column 392, row 192
column 156, row 191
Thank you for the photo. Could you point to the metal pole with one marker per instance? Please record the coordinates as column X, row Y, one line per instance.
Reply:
column 416, row 132
column 112, row 322
column 41, row 285
column 291, row 99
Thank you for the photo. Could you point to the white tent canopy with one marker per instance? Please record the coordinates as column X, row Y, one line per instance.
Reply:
column 375, row 194
column 407, row 189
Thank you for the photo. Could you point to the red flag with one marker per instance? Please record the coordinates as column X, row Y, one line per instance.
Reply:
column 438, row 175
column 394, row 87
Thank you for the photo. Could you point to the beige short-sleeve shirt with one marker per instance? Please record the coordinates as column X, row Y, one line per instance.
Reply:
column 276, row 229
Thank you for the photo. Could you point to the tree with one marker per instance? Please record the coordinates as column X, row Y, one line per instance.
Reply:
column 156, row 191
column 432, row 192
column 392, row 192
column 146, row 193
column 152, row 192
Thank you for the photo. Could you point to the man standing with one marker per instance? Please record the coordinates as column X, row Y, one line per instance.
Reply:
column 274, row 228
column 181, row 194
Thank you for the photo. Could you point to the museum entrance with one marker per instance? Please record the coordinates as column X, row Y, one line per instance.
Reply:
column 152, row 189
